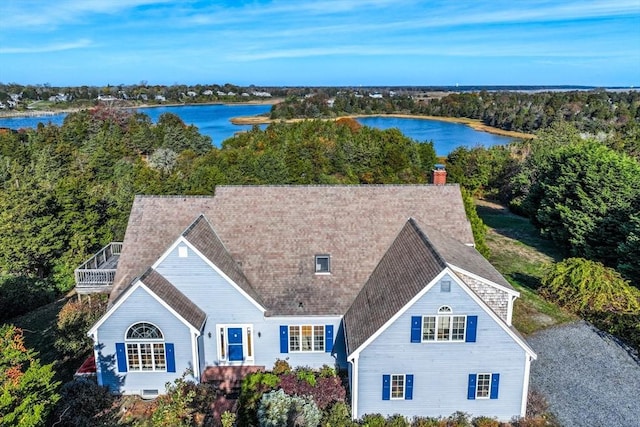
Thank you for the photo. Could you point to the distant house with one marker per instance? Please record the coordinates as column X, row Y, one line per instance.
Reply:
column 106, row 98
column 381, row 281
column 261, row 94
column 61, row 97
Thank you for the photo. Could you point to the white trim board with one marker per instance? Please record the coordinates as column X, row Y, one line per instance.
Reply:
column 140, row 285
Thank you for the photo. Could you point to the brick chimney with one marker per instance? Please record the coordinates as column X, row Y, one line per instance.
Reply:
column 439, row 176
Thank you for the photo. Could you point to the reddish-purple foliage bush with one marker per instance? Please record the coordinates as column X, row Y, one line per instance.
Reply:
column 325, row 392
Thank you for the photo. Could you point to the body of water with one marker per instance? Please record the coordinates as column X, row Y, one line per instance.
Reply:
column 445, row 135
column 214, row 121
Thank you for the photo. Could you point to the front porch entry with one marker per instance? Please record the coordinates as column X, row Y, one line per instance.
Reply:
column 235, row 344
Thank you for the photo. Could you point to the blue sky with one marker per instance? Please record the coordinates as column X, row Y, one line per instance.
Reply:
column 325, row 42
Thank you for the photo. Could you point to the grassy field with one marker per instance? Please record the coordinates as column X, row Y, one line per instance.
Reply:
column 522, row 255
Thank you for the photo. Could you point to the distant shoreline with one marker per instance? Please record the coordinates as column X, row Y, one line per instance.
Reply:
column 36, row 113
column 260, row 120
column 475, row 124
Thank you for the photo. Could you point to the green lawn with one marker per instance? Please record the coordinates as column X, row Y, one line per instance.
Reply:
column 521, row 255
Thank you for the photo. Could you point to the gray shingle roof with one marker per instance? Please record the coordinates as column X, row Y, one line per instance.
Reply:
column 463, row 256
column 409, row 265
column 174, row 298
column 416, row 257
column 273, row 233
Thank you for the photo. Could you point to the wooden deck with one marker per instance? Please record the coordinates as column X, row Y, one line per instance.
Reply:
column 97, row 273
column 228, row 378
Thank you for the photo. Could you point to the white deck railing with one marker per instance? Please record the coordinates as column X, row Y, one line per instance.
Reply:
column 97, row 273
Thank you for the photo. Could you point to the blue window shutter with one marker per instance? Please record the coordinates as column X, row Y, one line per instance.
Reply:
column 328, row 338
column 408, row 388
column 386, row 387
column 416, row 328
column 495, row 382
column 121, row 355
column 472, row 325
column 171, row 357
column 471, row 391
column 284, row 339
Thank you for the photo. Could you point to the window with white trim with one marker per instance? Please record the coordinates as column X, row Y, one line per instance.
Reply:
column 483, row 386
column 323, row 263
column 397, row 386
column 444, row 326
column 306, row 338
column 145, row 348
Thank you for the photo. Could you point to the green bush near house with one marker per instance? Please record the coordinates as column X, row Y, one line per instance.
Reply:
column 597, row 293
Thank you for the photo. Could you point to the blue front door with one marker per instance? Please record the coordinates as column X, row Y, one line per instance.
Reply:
column 235, row 344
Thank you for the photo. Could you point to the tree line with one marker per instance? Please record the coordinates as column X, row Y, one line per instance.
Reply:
column 65, row 191
column 601, row 114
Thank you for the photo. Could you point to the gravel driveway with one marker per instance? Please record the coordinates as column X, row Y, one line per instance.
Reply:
column 588, row 378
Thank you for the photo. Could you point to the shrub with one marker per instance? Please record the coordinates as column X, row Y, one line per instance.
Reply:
column 74, row 320
column 306, row 374
column 325, row 391
column 485, row 422
column 582, row 285
column 373, row 420
column 20, row 294
column 338, row 415
column 459, row 419
column 251, row 390
column 427, row 422
column 85, row 403
column 228, row 419
column 174, row 409
column 281, row 367
column 397, row 421
column 327, row 372
column 277, row 409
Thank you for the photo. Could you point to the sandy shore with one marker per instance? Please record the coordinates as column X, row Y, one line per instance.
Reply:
column 473, row 123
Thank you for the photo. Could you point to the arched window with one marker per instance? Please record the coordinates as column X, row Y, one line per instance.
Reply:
column 444, row 326
column 145, row 348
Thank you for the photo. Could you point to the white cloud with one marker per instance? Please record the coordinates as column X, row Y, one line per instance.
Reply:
column 43, row 48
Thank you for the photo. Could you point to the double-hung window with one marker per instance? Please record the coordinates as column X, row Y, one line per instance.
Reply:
column 444, row 326
column 397, row 387
column 145, row 348
column 483, row 386
column 306, row 338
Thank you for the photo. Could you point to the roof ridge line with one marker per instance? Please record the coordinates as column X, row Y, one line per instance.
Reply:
column 426, row 241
